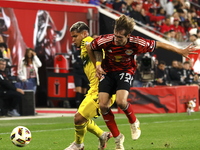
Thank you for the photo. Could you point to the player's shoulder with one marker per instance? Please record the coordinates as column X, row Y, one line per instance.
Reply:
column 86, row 40
column 137, row 39
column 104, row 39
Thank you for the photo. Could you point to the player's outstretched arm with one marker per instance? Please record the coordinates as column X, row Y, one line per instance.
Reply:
column 184, row 52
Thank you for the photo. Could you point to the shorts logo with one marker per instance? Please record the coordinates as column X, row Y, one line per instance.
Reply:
column 110, row 51
column 102, row 77
column 129, row 52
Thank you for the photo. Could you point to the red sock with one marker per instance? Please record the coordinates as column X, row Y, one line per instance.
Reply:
column 130, row 113
column 111, row 124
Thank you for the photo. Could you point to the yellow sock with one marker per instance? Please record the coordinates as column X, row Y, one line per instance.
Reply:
column 80, row 131
column 93, row 128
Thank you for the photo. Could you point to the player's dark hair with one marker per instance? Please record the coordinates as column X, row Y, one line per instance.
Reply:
column 125, row 23
column 79, row 27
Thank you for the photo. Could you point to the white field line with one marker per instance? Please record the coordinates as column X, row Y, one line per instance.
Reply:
column 26, row 124
column 61, row 115
column 48, row 115
column 52, row 115
column 156, row 122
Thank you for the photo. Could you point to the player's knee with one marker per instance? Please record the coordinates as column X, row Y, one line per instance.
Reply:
column 121, row 104
column 104, row 108
column 79, row 119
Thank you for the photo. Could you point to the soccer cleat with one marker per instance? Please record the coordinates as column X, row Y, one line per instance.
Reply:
column 135, row 130
column 103, row 140
column 119, row 142
column 75, row 146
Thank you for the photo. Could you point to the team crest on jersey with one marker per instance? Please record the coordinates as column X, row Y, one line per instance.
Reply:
column 110, row 51
column 129, row 52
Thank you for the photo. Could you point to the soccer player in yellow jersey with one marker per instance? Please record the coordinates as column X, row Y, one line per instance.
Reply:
column 89, row 108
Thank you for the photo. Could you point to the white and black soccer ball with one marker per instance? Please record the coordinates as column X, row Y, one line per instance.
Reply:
column 20, row 136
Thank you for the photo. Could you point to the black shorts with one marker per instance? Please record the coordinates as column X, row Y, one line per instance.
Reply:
column 81, row 81
column 114, row 81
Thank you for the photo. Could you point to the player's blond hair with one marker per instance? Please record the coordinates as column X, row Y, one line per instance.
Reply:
column 124, row 23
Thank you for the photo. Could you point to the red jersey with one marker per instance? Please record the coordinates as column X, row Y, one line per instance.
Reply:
column 121, row 58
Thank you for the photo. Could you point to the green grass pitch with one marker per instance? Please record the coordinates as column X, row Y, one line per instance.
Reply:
column 159, row 131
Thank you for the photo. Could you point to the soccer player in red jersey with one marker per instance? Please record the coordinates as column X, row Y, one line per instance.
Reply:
column 116, row 70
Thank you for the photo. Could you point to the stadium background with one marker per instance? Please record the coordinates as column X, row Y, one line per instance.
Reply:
column 23, row 16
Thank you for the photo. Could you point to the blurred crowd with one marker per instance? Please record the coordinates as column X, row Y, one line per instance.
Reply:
column 151, row 72
column 176, row 20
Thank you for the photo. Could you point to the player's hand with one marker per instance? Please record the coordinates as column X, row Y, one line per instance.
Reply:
column 190, row 49
column 99, row 71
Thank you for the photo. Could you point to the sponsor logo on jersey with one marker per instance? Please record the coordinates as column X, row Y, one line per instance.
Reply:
column 129, row 52
column 118, row 58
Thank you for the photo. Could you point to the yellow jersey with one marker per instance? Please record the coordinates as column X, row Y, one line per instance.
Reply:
column 88, row 66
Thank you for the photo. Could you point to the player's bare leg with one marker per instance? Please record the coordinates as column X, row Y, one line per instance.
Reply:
column 128, row 110
column 82, row 125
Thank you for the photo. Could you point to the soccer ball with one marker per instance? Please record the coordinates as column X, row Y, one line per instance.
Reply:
column 20, row 136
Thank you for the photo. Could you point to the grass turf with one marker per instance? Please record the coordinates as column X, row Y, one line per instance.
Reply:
column 159, row 131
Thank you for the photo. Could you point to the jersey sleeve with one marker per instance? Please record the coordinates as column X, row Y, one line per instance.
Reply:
column 144, row 45
column 94, row 44
column 84, row 53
